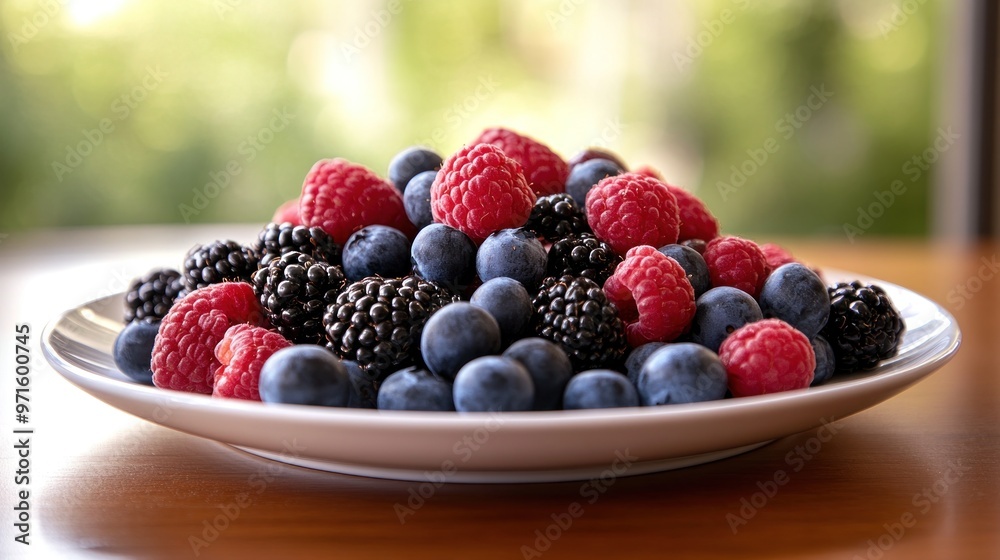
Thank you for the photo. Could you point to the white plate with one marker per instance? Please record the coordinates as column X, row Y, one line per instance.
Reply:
column 510, row 447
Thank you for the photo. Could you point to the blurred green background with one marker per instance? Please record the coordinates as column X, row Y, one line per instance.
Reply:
column 122, row 112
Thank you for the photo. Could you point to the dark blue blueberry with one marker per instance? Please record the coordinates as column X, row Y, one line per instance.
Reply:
column 719, row 312
column 796, row 295
column 638, row 356
column 305, row 374
column 493, row 383
column 509, row 303
column 599, row 388
column 410, row 162
column 415, row 388
column 364, row 386
column 825, row 364
column 444, row 255
column 681, row 373
column 376, row 251
column 587, row 174
column 514, row 253
column 456, row 334
column 133, row 350
column 549, row 367
column 693, row 264
column 417, row 199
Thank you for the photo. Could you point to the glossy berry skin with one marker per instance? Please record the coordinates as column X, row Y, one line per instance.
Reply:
column 456, row 334
column 549, row 367
column 681, row 373
column 591, row 153
column 599, row 388
column 241, row 354
column 514, row 253
column 767, row 356
column 719, row 312
column 493, row 383
column 133, row 350
column 693, row 264
column 629, row 210
column 417, row 199
column 825, row 362
column 696, row 220
column 864, row 327
column 444, row 255
column 376, row 251
column 638, row 356
column 364, row 385
column 415, row 389
column 737, row 262
column 409, row 163
column 509, row 303
column 305, row 374
column 584, row 176
column 796, row 295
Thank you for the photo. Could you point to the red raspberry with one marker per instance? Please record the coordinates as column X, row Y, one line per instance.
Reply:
column 479, row 190
column 767, row 356
column 241, row 353
column 183, row 354
column 776, row 255
column 696, row 221
column 545, row 171
column 653, row 295
column 629, row 210
column 288, row 212
column 736, row 262
column 342, row 197
column 649, row 171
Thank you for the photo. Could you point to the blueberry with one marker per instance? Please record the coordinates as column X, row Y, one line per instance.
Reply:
column 719, row 312
column 305, row 374
column 681, row 373
column 376, row 251
column 410, row 162
column 796, row 295
column 415, row 388
column 133, row 350
column 825, row 364
column 514, row 253
column 364, row 386
column 509, row 303
column 587, row 174
column 693, row 264
column 599, row 388
column 638, row 356
column 456, row 334
column 493, row 383
column 444, row 255
column 549, row 367
column 417, row 199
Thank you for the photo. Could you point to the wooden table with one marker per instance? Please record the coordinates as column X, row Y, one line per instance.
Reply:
column 914, row 477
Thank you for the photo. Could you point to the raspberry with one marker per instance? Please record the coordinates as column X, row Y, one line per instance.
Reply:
column 696, row 221
column 241, row 353
column 342, row 197
column 288, row 212
column 654, row 297
column 479, row 190
column 736, row 262
column 776, row 255
column 628, row 210
column 544, row 170
column 767, row 356
column 183, row 357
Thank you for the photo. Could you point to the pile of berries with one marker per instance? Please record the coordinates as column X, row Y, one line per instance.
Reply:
column 499, row 278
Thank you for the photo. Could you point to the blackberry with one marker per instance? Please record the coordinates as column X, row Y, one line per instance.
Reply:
column 377, row 322
column 864, row 327
column 555, row 216
column 294, row 290
column 149, row 297
column 277, row 239
column 583, row 255
column 575, row 313
column 216, row 262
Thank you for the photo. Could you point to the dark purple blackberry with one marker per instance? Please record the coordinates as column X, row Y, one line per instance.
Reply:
column 583, row 255
column 149, row 297
column 218, row 261
column 277, row 239
column 556, row 216
column 864, row 328
column 575, row 313
column 294, row 290
column 377, row 322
